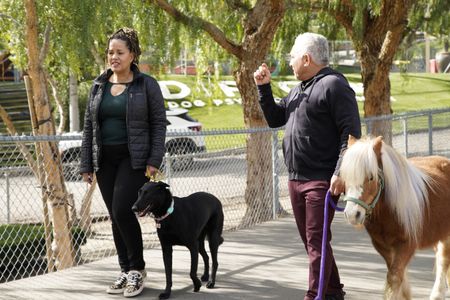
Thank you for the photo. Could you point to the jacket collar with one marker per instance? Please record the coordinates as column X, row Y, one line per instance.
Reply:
column 322, row 73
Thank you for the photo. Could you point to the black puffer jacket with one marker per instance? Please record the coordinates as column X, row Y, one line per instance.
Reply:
column 146, row 123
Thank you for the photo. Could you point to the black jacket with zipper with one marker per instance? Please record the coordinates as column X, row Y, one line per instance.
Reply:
column 145, row 120
column 319, row 115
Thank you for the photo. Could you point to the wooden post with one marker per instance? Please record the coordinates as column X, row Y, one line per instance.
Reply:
column 85, row 213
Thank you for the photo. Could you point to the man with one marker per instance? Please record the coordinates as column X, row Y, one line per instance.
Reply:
column 319, row 114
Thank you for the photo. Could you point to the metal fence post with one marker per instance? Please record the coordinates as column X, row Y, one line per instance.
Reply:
column 168, row 168
column 8, row 200
column 275, row 189
column 405, row 135
column 368, row 126
column 430, row 133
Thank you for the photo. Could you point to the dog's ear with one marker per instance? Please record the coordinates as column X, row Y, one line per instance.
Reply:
column 163, row 185
column 166, row 188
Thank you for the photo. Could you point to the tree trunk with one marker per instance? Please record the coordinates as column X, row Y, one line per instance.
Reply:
column 74, row 114
column 377, row 93
column 53, row 184
column 376, row 44
column 260, row 25
column 381, row 37
column 258, row 193
column 40, row 176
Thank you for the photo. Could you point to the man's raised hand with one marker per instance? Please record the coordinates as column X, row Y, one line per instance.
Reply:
column 262, row 75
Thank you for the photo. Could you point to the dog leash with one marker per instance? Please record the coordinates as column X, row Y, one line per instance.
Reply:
column 323, row 254
column 158, row 176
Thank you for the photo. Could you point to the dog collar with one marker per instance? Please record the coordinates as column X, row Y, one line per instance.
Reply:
column 169, row 211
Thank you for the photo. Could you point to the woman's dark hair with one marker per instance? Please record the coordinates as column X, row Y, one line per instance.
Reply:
column 129, row 36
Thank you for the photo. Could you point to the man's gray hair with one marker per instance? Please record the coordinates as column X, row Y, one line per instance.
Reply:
column 316, row 45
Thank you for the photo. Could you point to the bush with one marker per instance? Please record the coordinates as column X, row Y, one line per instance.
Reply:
column 22, row 246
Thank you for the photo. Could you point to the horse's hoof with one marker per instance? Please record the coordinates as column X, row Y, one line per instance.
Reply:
column 210, row 285
column 205, row 278
column 164, row 295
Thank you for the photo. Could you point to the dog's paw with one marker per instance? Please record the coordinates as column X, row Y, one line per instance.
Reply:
column 205, row 277
column 164, row 295
column 210, row 284
column 197, row 285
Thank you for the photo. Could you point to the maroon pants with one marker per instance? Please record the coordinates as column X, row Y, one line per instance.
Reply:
column 308, row 198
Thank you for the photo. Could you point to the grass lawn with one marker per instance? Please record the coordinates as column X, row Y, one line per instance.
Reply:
column 420, row 91
column 411, row 92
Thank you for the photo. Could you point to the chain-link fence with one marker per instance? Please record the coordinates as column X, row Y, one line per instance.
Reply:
column 417, row 133
column 211, row 161
column 46, row 226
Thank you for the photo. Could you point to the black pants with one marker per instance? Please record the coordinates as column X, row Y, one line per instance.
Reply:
column 119, row 185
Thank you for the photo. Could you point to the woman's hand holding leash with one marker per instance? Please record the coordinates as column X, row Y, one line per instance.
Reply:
column 153, row 174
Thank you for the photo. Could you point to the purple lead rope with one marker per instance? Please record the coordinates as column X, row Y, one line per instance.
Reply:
column 323, row 254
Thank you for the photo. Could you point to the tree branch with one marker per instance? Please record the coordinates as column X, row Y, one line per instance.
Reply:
column 262, row 19
column 210, row 28
column 238, row 5
column 99, row 61
column 11, row 18
column 45, row 44
column 59, row 103
column 22, row 147
column 396, row 21
column 292, row 4
column 345, row 19
column 343, row 14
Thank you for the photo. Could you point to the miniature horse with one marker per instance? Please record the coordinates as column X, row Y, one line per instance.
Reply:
column 403, row 204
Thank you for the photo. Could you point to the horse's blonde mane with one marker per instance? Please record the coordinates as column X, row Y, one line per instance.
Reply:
column 405, row 185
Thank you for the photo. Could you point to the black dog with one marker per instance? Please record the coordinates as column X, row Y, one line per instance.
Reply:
column 183, row 221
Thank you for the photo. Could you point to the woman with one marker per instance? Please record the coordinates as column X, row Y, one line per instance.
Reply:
column 123, row 141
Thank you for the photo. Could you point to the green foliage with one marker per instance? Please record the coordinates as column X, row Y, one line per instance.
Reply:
column 12, row 23
column 26, row 242
column 293, row 23
column 430, row 16
column 81, row 28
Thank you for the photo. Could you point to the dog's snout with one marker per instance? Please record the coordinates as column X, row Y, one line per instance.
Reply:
column 135, row 208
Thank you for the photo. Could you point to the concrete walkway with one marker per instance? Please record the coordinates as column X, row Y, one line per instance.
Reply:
column 267, row 261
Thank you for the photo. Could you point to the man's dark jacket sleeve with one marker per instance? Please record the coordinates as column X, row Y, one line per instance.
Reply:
column 274, row 113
